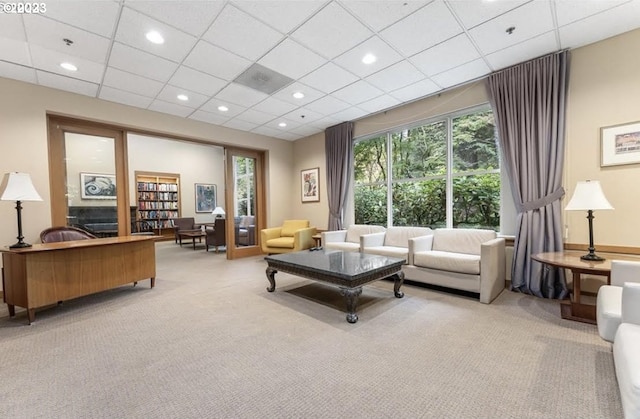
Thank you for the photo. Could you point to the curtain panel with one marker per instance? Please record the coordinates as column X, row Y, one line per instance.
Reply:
column 339, row 155
column 529, row 103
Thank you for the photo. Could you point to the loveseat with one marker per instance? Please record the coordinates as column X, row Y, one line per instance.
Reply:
column 348, row 239
column 464, row 259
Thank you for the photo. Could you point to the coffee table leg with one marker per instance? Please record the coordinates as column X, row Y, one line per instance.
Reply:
column 398, row 280
column 351, row 295
column 271, row 272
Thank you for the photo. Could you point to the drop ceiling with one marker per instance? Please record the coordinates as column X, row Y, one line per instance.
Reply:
column 317, row 47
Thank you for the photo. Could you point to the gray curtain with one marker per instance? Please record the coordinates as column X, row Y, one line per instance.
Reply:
column 338, row 152
column 529, row 105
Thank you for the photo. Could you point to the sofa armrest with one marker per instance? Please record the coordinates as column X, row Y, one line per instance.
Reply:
column 631, row 303
column 337, row 236
column 371, row 240
column 624, row 271
column 492, row 269
column 303, row 239
column 419, row 244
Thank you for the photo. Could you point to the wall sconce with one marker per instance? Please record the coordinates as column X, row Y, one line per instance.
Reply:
column 588, row 196
column 18, row 187
column 218, row 212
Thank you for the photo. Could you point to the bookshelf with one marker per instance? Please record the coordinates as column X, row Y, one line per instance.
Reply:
column 158, row 197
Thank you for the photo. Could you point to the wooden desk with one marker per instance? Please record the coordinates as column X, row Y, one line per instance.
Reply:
column 47, row 273
column 574, row 309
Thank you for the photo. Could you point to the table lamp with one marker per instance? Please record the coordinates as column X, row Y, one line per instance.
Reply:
column 18, row 187
column 588, row 196
column 218, row 212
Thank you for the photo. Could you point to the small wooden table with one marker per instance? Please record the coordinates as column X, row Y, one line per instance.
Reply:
column 574, row 309
column 193, row 235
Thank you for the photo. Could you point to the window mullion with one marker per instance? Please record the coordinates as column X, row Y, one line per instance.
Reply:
column 449, row 181
column 389, row 181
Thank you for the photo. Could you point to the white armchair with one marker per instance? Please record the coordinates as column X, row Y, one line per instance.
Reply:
column 609, row 300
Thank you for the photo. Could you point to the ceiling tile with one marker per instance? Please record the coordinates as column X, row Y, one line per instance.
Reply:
column 568, row 11
column 170, row 94
column 49, row 34
column 328, row 105
column 473, row 13
column 48, row 60
column 415, row 91
column 529, row 20
column 425, row 28
column 197, row 81
column 275, row 124
column 286, row 94
column 531, row 48
column 604, row 25
column 283, row 15
column 305, row 130
column 193, row 17
column 240, row 125
column 462, row 74
column 240, row 95
column 331, row 32
column 66, row 83
column 133, row 83
column 304, row 115
column 291, row 59
column 253, row 41
column 12, row 27
column 268, row 131
column 216, row 62
column 388, row 79
column 255, row 117
column 15, row 51
column 449, row 54
column 212, row 107
column 275, row 106
column 358, row 92
column 98, row 17
column 325, row 122
column 170, row 108
column 328, row 78
column 380, row 103
column 17, row 72
column 142, row 63
column 380, row 14
column 133, row 27
column 350, row 114
column 126, row 98
column 209, row 117
column 352, row 60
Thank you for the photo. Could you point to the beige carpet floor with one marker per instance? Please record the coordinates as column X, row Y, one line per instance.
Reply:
column 210, row 342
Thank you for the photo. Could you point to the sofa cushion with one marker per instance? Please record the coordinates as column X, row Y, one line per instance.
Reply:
column 356, row 230
column 391, row 251
column 448, row 261
column 282, row 242
column 346, row 246
column 626, row 348
column 461, row 240
column 399, row 236
column 608, row 311
column 289, row 227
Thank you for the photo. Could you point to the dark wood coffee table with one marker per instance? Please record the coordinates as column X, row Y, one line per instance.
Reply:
column 348, row 270
column 193, row 235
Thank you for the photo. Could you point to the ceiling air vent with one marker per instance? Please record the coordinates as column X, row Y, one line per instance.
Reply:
column 263, row 79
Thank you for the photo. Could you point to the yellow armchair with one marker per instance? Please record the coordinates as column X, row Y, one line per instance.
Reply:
column 293, row 236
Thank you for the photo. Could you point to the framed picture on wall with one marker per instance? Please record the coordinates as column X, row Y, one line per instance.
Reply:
column 97, row 186
column 310, row 181
column 620, row 144
column 205, row 197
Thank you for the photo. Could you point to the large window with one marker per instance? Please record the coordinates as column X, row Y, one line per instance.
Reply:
column 442, row 173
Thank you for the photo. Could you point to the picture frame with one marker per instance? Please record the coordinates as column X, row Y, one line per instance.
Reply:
column 310, row 185
column 206, row 197
column 620, row 144
column 97, row 186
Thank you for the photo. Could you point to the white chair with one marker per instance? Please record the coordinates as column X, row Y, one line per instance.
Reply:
column 609, row 300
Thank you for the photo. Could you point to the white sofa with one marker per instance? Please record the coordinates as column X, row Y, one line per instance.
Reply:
column 626, row 351
column 393, row 242
column 349, row 239
column 465, row 259
column 609, row 300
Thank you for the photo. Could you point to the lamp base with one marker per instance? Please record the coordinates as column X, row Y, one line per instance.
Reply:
column 19, row 245
column 592, row 257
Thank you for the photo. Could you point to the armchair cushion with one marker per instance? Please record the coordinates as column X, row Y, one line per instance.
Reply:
column 289, row 227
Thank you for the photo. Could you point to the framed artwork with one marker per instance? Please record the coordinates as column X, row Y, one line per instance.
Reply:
column 205, row 197
column 97, row 186
column 310, row 181
column 620, row 144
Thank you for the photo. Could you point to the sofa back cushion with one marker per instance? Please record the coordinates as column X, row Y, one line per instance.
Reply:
column 289, row 227
column 461, row 240
column 399, row 236
column 354, row 231
column 246, row 221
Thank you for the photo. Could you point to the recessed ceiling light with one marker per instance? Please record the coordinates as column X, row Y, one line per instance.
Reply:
column 155, row 37
column 222, row 108
column 69, row 66
column 183, row 97
column 369, row 59
column 282, row 124
column 298, row 95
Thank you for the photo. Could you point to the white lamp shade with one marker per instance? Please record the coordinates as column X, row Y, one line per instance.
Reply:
column 588, row 196
column 18, row 187
column 218, row 211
